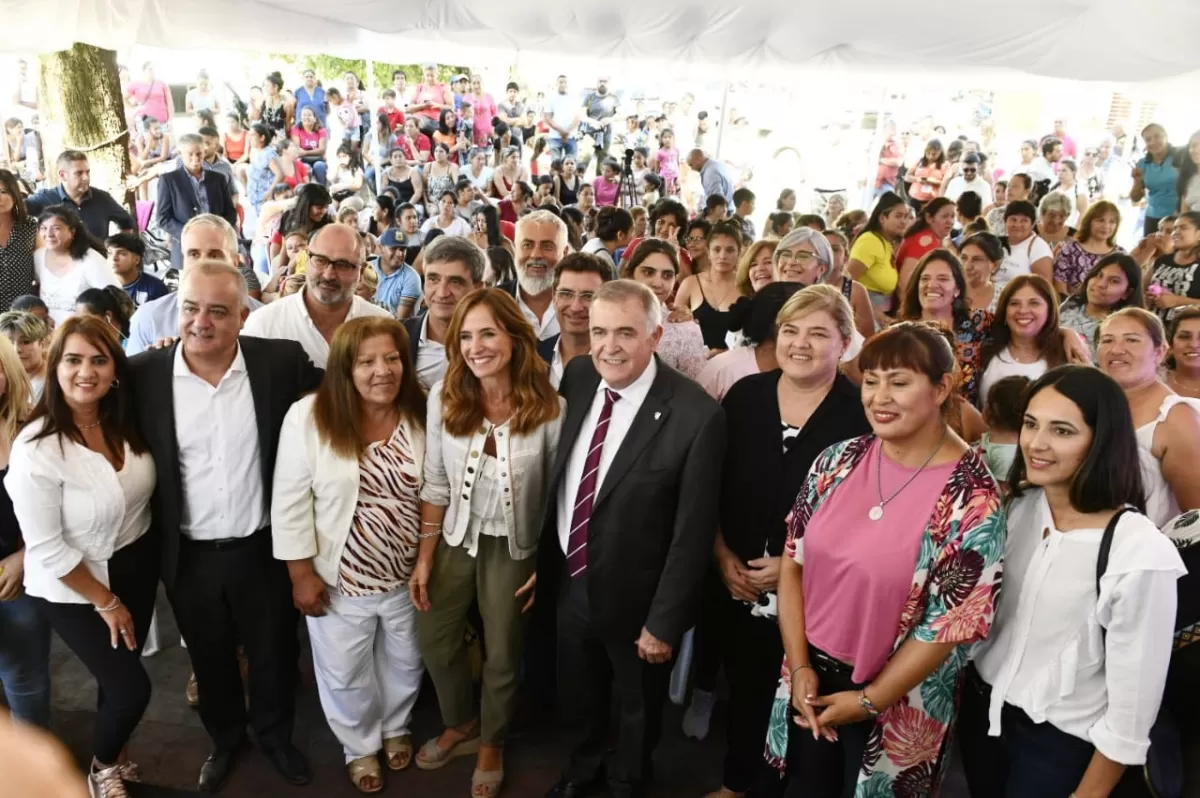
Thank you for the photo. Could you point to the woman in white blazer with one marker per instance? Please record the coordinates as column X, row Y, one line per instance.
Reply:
column 1061, row 696
column 345, row 515
column 491, row 435
column 80, row 478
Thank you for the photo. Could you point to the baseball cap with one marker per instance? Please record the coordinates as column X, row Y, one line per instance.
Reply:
column 970, row 157
column 390, row 239
column 459, row 77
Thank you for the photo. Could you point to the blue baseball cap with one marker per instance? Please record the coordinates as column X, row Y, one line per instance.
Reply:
column 390, row 239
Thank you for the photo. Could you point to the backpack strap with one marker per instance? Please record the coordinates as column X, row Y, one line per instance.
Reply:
column 1105, row 550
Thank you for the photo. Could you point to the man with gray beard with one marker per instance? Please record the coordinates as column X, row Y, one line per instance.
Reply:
column 541, row 243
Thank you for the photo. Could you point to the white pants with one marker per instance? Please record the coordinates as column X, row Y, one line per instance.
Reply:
column 368, row 668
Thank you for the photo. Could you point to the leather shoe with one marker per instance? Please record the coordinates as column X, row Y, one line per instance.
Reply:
column 624, row 789
column 566, row 788
column 217, row 768
column 290, row 763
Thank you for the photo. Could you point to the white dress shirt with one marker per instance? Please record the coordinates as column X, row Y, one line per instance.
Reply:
column 623, row 413
column 1047, row 652
column 288, row 319
column 74, row 507
column 219, row 465
column 957, row 186
column 545, row 327
column 431, row 357
column 557, row 365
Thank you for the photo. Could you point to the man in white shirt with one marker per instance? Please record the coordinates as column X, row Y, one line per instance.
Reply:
column 311, row 316
column 563, row 114
column 628, row 534
column 541, row 243
column 454, row 267
column 211, row 407
column 969, row 179
column 577, row 278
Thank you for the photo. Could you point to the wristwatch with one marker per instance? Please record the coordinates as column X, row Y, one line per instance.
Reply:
column 866, row 704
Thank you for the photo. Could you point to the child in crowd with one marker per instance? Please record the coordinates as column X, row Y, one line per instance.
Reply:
column 651, row 189
column 666, row 163
column 1002, row 412
column 609, row 182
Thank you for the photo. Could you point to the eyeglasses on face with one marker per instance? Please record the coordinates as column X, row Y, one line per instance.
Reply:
column 567, row 296
column 322, row 262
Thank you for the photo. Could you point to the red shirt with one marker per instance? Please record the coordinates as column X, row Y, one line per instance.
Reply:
column 917, row 245
column 395, row 118
column 886, row 176
column 300, row 175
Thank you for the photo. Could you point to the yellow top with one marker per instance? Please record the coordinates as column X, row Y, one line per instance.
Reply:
column 875, row 252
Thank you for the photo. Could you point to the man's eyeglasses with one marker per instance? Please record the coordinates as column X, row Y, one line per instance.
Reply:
column 970, row 170
column 322, row 262
column 567, row 296
column 1092, row 153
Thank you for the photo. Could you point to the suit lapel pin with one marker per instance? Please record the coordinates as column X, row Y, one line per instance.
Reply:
column 657, row 416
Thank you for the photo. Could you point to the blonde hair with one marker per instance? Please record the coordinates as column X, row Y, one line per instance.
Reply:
column 17, row 400
column 816, row 298
column 742, row 279
column 28, row 327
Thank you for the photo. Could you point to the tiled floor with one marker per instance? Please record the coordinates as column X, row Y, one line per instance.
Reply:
column 170, row 744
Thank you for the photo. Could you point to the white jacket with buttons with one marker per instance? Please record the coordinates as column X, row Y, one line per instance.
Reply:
column 525, row 462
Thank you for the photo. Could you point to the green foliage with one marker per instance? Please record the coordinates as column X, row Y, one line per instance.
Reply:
column 330, row 69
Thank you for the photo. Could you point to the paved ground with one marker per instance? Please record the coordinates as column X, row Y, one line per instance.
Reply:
column 170, row 744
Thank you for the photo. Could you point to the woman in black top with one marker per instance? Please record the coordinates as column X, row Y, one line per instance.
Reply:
column 24, row 631
column 18, row 239
column 777, row 424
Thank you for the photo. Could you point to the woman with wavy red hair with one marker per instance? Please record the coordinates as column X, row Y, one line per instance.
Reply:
column 491, row 435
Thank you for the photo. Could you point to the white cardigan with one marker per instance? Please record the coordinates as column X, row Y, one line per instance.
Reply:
column 315, row 492
column 72, row 509
column 525, row 462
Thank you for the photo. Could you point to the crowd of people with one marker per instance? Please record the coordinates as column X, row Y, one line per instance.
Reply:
column 878, row 468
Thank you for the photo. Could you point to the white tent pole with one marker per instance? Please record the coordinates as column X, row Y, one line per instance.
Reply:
column 371, row 149
column 868, row 194
column 724, row 119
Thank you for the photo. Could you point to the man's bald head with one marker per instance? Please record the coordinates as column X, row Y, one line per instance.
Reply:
column 696, row 159
column 336, row 254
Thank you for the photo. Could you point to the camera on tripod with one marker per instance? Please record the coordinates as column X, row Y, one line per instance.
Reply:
column 628, row 160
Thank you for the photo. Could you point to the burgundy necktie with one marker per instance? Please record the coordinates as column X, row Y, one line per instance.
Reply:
column 586, row 495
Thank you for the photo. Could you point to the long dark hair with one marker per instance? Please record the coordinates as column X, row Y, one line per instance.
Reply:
column 1049, row 340
column 12, row 187
column 309, row 196
column 111, row 300
column 495, row 237
column 82, row 240
column 927, row 211
column 118, row 421
column 887, row 201
column 1133, row 275
column 911, row 307
column 1104, row 480
column 941, row 158
column 443, row 128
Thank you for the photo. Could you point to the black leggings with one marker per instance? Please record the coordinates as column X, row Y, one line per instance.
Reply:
column 124, row 687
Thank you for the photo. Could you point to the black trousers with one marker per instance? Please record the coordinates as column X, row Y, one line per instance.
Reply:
column 818, row 768
column 588, row 671
column 752, row 651
column 716, row 608
column 230, row 593
column 124, row 687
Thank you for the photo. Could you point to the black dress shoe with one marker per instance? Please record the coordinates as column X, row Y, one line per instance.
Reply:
column 217, row 768
column 290, row 763
column 566, row 788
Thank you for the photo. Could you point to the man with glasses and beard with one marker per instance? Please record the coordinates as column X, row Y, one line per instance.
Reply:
column 969, row 179
column 541, row 244
column 311, row 316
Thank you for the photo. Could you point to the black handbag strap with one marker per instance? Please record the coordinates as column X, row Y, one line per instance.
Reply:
column 1105, row 550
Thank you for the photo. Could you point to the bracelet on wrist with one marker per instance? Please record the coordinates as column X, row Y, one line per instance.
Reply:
column 437, row 524
column 424, row 535
column 865, row 702
column 792, row 672
column 112, row 605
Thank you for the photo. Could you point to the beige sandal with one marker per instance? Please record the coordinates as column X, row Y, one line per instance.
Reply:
column 486, row 783
column 363, row 768
column 398, row 751
column 433, row 757
column 725, row 792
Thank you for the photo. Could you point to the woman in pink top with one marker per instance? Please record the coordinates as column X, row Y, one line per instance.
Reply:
column 485, row 111
column 891, row 570
column 430, row 99
column 152, row 97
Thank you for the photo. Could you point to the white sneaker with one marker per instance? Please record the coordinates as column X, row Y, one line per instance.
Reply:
column 698, row 714
column 107, row 783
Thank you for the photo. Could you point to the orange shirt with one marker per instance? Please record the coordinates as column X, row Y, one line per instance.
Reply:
column 921, row 191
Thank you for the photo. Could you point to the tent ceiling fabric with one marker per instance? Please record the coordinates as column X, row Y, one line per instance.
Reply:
column 1110, row 40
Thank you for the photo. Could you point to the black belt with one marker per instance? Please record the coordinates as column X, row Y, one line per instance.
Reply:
column 827, row 662
column 227, row 544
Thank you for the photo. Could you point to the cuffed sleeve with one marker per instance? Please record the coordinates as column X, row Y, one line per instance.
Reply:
column 436, row 490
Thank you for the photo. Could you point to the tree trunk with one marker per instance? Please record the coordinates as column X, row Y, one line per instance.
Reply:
column 82, row 109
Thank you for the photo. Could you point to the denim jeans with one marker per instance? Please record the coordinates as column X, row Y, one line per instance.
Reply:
column 560, row 148
column 25, row 660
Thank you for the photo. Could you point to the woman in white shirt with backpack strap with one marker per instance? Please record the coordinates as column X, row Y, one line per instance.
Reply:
column 81, row 478
column 1061, row 697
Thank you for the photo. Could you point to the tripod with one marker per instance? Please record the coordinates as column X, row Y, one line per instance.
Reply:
column 627, row 192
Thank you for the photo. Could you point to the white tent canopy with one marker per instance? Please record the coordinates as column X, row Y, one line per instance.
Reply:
column 1106, row 40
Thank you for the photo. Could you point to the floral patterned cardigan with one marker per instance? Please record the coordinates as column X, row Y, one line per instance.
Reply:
column 952, row 600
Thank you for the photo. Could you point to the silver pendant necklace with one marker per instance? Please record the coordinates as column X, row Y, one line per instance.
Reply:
column 876, row 512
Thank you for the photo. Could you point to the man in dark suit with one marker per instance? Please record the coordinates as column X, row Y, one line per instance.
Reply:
column 211, row 407
column 190, row 191
column 627, row 535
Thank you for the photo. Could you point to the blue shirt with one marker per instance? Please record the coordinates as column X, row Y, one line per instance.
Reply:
column 146, row 288
column 158, row 319
column 315, row 101
column 404, row 283
column 1160, row 180
column 198, row 186
column 714, row 177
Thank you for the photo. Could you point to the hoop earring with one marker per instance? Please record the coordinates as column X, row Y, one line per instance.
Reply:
column 116, row 383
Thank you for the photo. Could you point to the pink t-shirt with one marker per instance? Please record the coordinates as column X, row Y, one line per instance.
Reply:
column 309, row 140
column 722, row 371
column 606, row 192
column 151, row 98
column 485, row 111
column 858, row 572
column 436, row 94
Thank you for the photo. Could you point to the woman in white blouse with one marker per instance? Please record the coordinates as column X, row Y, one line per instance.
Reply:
column 80, row 479
column 491, row 435
column 345, row 515
column 68, row 262
column 1063, row 693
